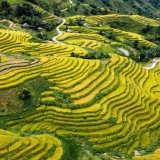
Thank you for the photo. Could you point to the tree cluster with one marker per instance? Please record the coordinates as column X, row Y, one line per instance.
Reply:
column 25, row 94
column 35, row 22
column 5, row 7
column 41, row 4
column 147, row 28
column 26, row 14
column 26, row 10
column 97, row 10
column 56, row 9
column 93, row 54
column 146, row 54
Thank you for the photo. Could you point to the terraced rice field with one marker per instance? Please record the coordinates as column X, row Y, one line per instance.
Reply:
column 154, row 156
column 93, row 44
column 132, row 36
column 15, row 146
column 45, row 14
column 145, row 20
column 115, row 17
column 3, row 59
column 80, row 35
column 12, row 41
column 108, row 18
column 87, row 19
column 111, row 94
column 37, row 8
column 113, row 103
column 123, row 35
column 81, row 32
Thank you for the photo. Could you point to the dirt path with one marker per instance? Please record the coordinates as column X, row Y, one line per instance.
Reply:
column 124, row 51
column 155, row 61
column 71, row 4
column 59, row 32
column 11, row 24
column 58, row 27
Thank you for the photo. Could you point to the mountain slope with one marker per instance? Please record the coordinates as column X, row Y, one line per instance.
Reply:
column 85, row 97
column 149, row 8
column 98, row 101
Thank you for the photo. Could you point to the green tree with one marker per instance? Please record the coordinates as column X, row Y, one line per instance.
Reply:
column 112, row 36
column 25, row 94
column 5, row 6
column 158, row 30
column 135, row 44
column 66, row 27
column 146, row 29
column 56, row 9
column 101, row 32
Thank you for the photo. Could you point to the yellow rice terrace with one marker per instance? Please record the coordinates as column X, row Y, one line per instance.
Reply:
column 82, row 87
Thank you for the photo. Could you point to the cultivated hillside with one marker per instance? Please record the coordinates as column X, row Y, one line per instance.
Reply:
column 90, row 91
column 99, row 100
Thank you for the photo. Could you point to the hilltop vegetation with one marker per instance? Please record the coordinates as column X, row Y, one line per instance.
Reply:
column 148, row 8
column 27, row 13
column 91, row 95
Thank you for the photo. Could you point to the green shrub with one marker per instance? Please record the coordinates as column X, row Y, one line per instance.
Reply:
column 25, row 94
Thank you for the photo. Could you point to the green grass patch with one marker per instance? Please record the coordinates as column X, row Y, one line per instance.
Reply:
column 10, row 101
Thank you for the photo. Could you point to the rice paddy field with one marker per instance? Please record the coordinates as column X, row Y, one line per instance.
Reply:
column 111, row 106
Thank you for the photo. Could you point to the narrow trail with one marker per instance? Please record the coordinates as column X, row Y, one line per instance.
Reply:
column 11, row 24
column 124, row 51
column 153, row 64
column 58, row 27
column 59, row 32
column 71, row 4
